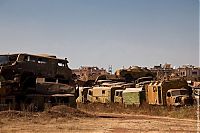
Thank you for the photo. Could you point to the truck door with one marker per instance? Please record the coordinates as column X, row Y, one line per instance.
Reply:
column 159, row 95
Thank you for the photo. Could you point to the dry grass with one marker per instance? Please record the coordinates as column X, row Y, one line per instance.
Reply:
column 86, row 110
column 56, row 112
column 186, row 112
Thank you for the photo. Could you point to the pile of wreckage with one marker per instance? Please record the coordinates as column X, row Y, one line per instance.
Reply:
column 34, row 82
column 167, row 92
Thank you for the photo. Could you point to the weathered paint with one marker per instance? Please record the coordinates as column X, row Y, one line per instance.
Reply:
column 99, row 94
column 102, row 94
column 156, row 91
column 133, row 96
column 83, row 91
column 118, row 96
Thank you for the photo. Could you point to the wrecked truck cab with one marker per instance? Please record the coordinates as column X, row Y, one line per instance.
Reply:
column 156, row 91
column 25, row 68
column 47, row 66
column 178, row 97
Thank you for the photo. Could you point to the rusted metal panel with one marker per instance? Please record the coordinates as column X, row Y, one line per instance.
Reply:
column 178, row 97
column 99, row 94
column 118, row 97
column 156, row 91
column 40, row 66
column 133, row 96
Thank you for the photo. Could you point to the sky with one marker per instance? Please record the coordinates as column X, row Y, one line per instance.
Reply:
column 101, row 33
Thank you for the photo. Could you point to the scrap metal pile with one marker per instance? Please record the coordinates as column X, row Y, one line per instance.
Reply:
column 33, row 81
column 170, row 92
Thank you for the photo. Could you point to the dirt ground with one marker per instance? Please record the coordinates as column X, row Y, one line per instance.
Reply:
column 65, row 120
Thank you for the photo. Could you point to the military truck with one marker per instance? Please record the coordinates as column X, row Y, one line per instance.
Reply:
column 102, row 94
column 168, row 92
column 19, row 73
column 133, row 96
column 25, row 66
column 178, row 97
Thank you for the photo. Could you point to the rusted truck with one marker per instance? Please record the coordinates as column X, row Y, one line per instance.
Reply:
column 19, row 74
column 178, row 97
column 25, row 67
column 102, row 94
column 169, row 92
column 133, row 96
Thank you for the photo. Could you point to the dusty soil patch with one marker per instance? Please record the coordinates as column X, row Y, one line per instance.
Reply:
column 65, row 119
column 117, row 124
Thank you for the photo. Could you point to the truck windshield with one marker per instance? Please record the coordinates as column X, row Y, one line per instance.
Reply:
column 179, row 92
column 5, row 59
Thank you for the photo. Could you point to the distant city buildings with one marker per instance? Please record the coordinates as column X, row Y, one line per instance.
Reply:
column 189, row 72
column 162, row 71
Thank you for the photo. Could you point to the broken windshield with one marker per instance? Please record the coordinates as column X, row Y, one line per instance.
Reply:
column 179, row 92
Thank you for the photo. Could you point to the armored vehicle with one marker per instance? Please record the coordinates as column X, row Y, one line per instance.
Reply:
column 133, row 73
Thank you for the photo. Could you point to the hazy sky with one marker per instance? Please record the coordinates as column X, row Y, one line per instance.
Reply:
column 103, row 32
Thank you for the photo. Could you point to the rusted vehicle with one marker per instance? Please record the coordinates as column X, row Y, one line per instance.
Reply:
column 19, row 74
column 133, row 96
column 133, row 73
column 178, row 97
column 24, row 67
column 99, row 95
column 102, row 94
column 157, row 92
